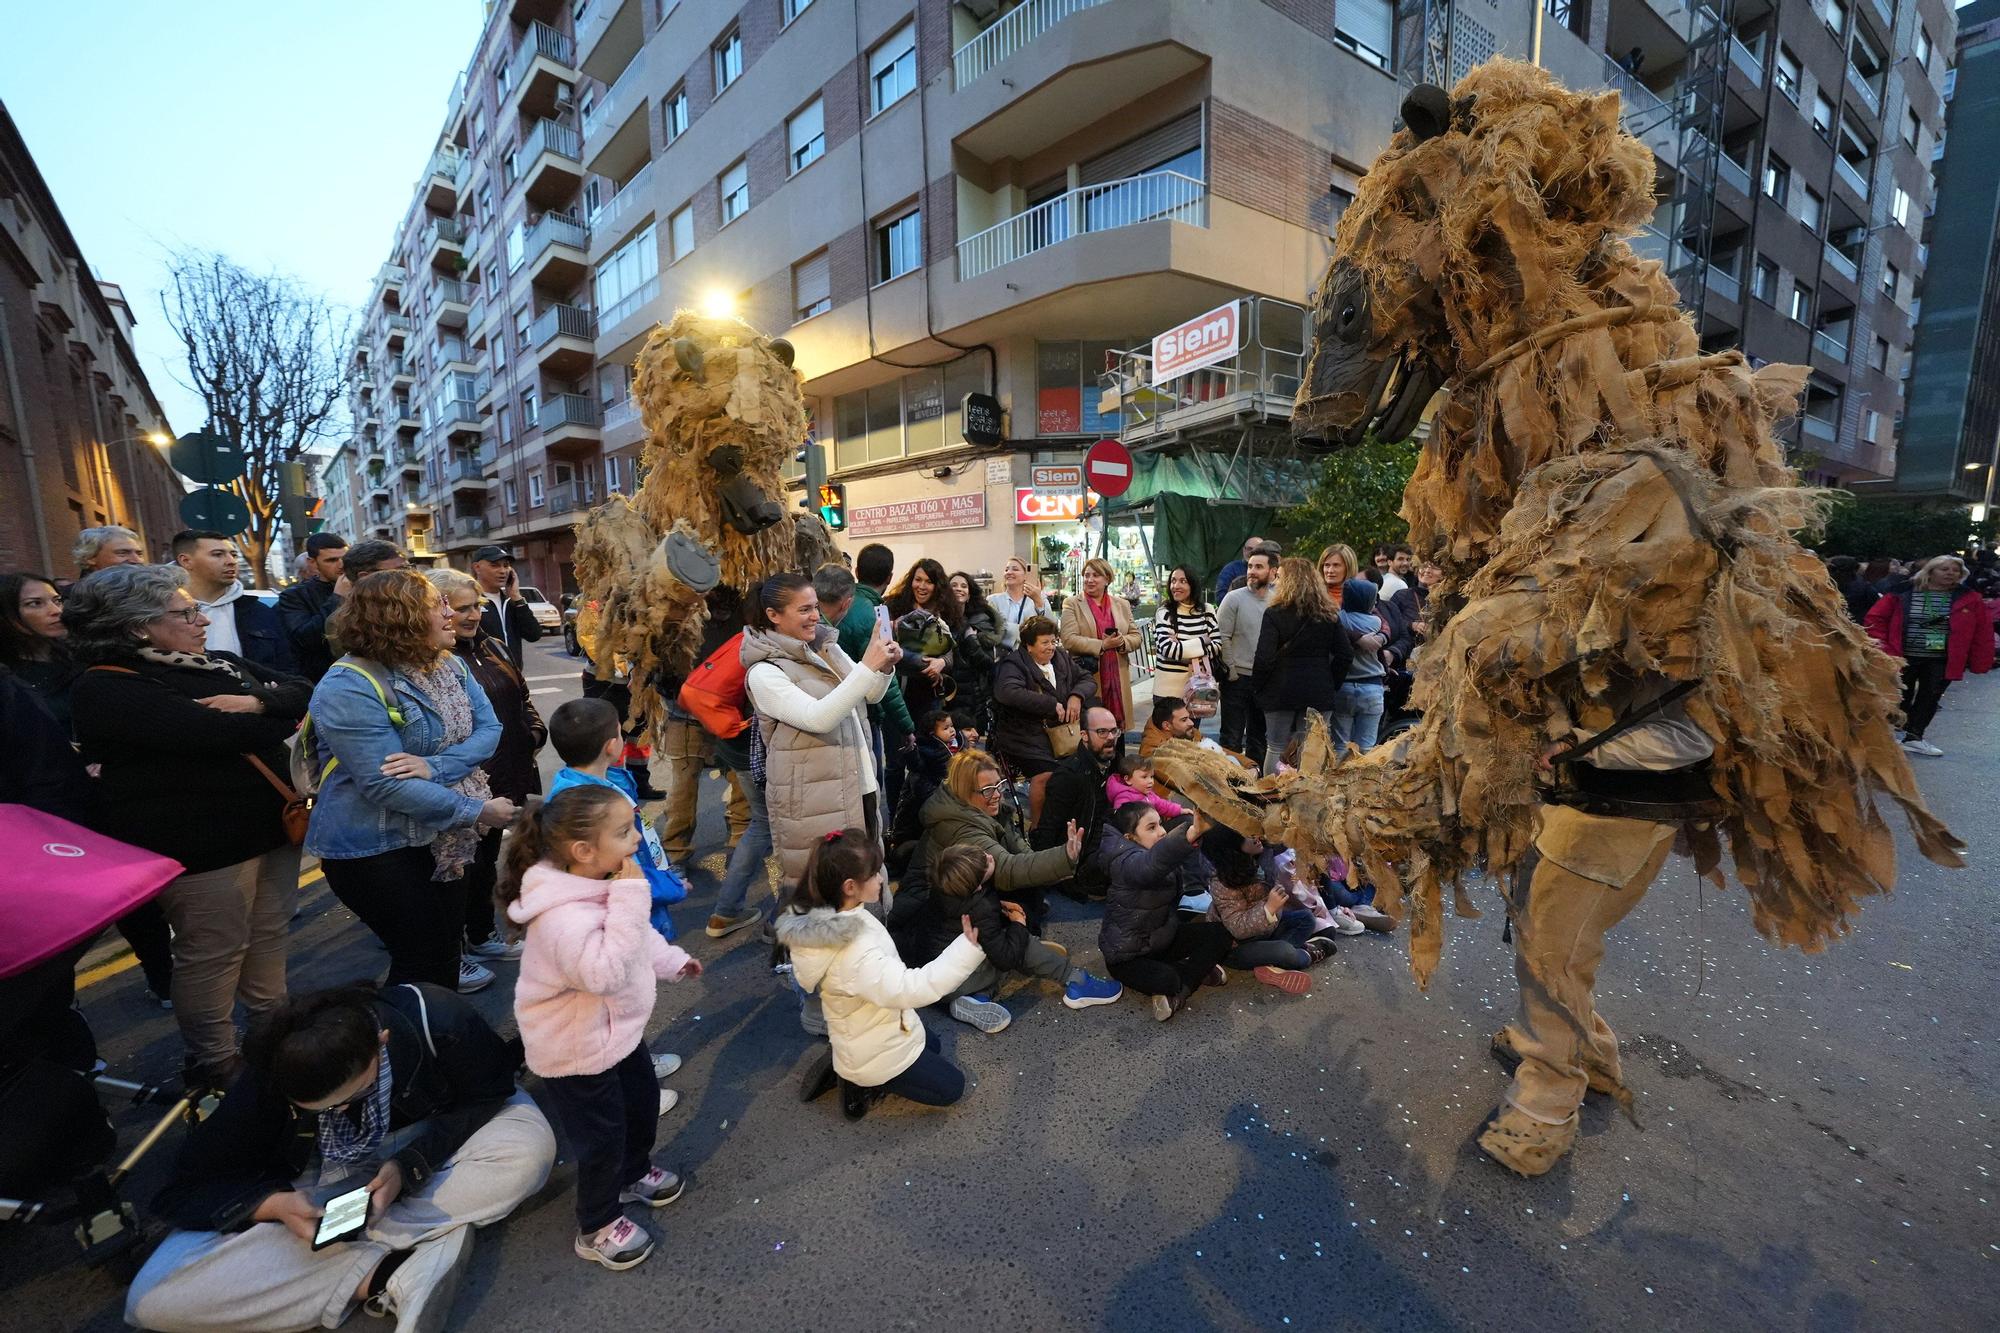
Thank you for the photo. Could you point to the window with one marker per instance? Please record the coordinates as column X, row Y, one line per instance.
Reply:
column 486, row 200
column 735, row 190
column 1067, row 394
column 499, row 355
column 899, row 245
column 892, row 69
column 524, row 319
column 1366, row 27
column 517, row 238
column 531, row 409
column 1873, row 427
column 1787, row 73
column 611, row 474
column 1812, row 209
column 811, row 287
column 627, row 278
column 513, row 495
column 1764, row 285
column 1801, row 302
column 1881, row 358
column 1900, row 207
column 917, row 414
column 728, row 56
column 674, row 113
column 478, row 130
column 1822, row 117
column 1834, row 15
column 534, row 489
column 1777, row 178
column 1913, row 126
column 794, row 8
column 680, row 234
column 1924, row 47
column 503, row 425
column 805, row 136
column 1892, row 280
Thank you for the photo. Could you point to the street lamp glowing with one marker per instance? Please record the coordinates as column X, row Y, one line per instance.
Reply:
column 159, row 438
column 718, row 304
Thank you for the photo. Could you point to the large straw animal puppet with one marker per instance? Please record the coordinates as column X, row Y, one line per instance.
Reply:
column 1614, row 519
column 724, row 413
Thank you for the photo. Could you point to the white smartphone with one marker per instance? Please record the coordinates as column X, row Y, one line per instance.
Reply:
column 882, row 623
column 344, row 1217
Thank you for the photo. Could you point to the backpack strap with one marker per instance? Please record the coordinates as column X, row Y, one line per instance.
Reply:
column 381, row 693
column 423, row 1017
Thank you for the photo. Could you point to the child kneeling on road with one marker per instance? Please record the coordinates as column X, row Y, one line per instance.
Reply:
column 589, row 975
column 1274, row 938
column 843, row 953
column 1146, row 944
column 962, row 887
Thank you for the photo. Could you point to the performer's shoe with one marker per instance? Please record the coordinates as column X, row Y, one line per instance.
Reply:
column 1526, row 1146
column 1504, row 1052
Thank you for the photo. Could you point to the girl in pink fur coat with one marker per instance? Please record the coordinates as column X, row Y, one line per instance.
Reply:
column 589, row 972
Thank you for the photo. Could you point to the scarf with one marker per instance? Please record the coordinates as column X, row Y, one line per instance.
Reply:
column 1110, row 676
column 345, row 1139
column 443, row 687
column 196, row 661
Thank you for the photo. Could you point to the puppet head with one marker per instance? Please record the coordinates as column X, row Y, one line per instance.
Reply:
column 1488, row 216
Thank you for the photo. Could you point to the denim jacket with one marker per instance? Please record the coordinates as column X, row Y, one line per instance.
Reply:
column 360, row 812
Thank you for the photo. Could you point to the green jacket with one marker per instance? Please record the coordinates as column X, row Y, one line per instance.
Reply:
column 856, row 628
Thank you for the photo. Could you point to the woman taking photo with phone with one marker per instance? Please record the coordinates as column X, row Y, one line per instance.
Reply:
column 1020, row 600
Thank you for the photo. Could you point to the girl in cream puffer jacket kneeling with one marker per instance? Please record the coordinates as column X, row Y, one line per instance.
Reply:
column 842, row 953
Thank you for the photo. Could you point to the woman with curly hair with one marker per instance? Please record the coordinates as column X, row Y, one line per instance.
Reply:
column 399, row 730
column 930, row 640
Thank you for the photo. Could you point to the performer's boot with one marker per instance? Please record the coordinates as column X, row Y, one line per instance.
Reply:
column 1524, row 1145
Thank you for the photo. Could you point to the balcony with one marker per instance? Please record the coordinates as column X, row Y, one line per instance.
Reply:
column 401, row 373
column 1725, row 285
column 1154, row 197
column 1854, row 180
column 463, row 529
column 558, row 251
column 543, row 71
column 609, row 34
column 461, row 182
column 1258, row 383
column 1842, row 265
column 467, row 473
column 395, row 331
column 1734, row 172
column 444, row 245
column 451, row 303
column 1819, row 428
column 563, row 341
column 459, row 415
column 377, row 484
column 628, row 320
column 482, row 390
column 570, row 424
column 616, row 138
column 1882, row 11
column 374, row 454
column 549, row 162
column 1015, row 30
column 441, row 180
column 407, row 459
column 1829, row 346
column 565, row 498
column 1863, row 91
column 390, row 278
column 617, row 217
column 622, row 424
column 1748, row 65
column 453, row 356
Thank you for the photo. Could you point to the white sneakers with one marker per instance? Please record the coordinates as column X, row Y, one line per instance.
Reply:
column 1918, row 745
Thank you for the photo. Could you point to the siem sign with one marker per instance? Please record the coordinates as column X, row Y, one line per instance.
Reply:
column 1202, row 341
column 1033, row 506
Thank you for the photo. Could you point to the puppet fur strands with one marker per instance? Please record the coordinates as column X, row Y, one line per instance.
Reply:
column 1610, row 506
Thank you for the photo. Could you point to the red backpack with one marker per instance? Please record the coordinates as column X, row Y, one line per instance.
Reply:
column 715, row 695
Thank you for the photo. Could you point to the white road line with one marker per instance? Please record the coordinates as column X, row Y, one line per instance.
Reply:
column 547, row 689
column 558, row 675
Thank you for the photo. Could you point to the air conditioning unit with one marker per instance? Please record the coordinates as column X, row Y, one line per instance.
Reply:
column 565, row 97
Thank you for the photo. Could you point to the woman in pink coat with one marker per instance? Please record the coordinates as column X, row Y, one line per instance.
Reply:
column 589, row 971
column 1940, row 629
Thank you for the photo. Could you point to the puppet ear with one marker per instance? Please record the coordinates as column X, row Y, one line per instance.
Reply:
column 1427, row 111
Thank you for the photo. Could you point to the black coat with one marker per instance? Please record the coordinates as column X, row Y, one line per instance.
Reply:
column 38, row 767
column 1146, row 889
column 262, row 633
column 921, row 779
column 1300, row 663
column 303, row 610
column 977, row 654
column 256, row 1143
column 512, row 771
column 1076, row 792
column 519, row 627
column 1024, row 703
column 1403, row 611
column 172, row 776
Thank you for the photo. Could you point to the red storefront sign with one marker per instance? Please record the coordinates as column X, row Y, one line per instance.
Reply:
column 1036, row 506
column 927, row 515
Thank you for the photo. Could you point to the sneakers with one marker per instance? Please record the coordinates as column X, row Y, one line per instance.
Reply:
column 982, row 1013
column 1087, row 990
column 495, row 947
column 420, row 1292
column 855, row 1099
column 719, row 926
column 1217, row 976
column 656, row 1189
column 669, row 1099
column 472, row 977
column 1318, row 950
column 1166, row 1006
column 1346, row 922
column 160, row 1000
column 622, row 1245
column 1286, row 979
column 1374, row 919
column 666, row 1066
column 1918, row 745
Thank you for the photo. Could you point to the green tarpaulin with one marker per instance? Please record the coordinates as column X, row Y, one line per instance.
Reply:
column 1193, row 524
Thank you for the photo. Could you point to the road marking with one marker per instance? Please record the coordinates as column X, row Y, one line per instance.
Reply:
column 558, row 675
column 547, row 689
column 125, row 962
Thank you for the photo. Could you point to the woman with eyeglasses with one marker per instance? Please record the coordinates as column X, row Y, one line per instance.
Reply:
column 1037, row 686
column 190, row 749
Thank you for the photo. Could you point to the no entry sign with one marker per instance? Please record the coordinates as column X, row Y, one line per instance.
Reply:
column 1107, row 468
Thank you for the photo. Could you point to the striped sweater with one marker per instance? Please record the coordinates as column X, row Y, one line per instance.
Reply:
column 1171, row 626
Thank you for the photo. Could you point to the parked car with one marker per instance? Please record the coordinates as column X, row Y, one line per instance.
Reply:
column 546, row 614
column 572, row 605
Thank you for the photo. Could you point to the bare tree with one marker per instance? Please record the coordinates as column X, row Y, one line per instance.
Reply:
column 269, row 359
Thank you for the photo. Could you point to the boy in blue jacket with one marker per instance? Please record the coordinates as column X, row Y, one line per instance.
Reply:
column 588, row 736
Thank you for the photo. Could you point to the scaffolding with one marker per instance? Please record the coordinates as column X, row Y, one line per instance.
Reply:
column 1698, row 114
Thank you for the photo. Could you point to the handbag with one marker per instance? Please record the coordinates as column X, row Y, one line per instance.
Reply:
column 101, row 880
column 297, row 813
column 1203, row 696
column 1064, row 738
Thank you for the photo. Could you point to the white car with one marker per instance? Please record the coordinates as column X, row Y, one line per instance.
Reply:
column 547, row 614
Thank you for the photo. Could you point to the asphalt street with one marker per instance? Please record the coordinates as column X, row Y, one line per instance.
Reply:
column 1817, row 1151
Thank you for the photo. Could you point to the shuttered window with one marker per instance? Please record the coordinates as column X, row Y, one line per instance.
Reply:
column 1366, row 27
column 812, row 291
column 1168, row 146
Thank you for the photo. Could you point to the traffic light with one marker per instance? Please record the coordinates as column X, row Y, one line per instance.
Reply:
column 814, row 460
column 294, row 500
column 833, row 505
column 315, row 514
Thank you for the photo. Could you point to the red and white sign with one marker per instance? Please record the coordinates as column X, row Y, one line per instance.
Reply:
column 927, row 515
column 1107, row 468
column 1202, row 341
column 1036, row 506
column 1056, row 477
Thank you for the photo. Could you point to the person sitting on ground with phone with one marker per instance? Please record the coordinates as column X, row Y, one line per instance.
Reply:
column 406, row 1094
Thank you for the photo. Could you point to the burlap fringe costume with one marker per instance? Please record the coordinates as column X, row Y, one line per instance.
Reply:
column 1607, row 501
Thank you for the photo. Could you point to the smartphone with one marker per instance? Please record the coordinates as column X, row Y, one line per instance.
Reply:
column 345, row 1216
column 882, row 624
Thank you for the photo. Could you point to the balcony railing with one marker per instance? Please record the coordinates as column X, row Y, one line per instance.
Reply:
column 453, row 349
column 621, row 208
column 400, row 369
column 618, row 413
column 564, row 498
column 1828, row 345
column 1153, row 197
column 561, row 321
column 548, row 136
column 466, row 525
column 1863, row 91
column 1015, row 30
column 445, row 164
column 540, row 40
column 1841, row 264
column 1819, row 427
column 443, row 230
column 390, row 275
column 1725, row 284
column 568, row 409
column 1847, row 172
column 629, row 304
column 555, row 229
column 475, row 320
column 467, row 468
column 617, row 101
column 1752, row 67
column 397, row 323
column 1734, row 172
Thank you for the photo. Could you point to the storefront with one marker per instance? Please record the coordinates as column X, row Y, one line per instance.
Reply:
column 1065, row 527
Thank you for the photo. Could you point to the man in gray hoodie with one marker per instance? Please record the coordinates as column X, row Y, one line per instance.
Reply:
column 1238, row 622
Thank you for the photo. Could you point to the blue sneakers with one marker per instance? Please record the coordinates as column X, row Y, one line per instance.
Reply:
column 1087, row 990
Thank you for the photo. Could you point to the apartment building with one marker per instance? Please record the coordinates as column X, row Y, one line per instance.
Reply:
column 78, row 422
column 341, row 509
column 1951, row 436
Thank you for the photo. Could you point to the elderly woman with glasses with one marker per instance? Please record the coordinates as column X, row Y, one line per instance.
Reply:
column 190, row 749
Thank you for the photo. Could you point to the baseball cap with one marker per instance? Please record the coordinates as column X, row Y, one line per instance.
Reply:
column 493, row 553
